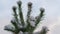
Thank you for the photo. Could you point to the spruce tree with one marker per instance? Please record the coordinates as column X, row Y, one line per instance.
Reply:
column 18, row 21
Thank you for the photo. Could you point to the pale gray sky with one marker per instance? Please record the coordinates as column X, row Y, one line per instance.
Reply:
column 51, row 19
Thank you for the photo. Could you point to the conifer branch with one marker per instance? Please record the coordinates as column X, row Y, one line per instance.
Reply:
column 44, row 30
column 21, row 27
column 10, row 28
column 20, row 12
column 28, row 16
column 38, row 19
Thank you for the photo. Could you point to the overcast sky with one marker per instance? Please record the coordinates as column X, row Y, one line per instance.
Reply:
column 51, row 18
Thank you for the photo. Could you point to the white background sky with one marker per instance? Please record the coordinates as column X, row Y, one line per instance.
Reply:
column 51, row 19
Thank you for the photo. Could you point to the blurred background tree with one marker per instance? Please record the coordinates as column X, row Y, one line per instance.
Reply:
column 19, row 24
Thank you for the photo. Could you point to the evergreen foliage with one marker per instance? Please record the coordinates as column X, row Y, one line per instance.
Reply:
column 19, row 23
